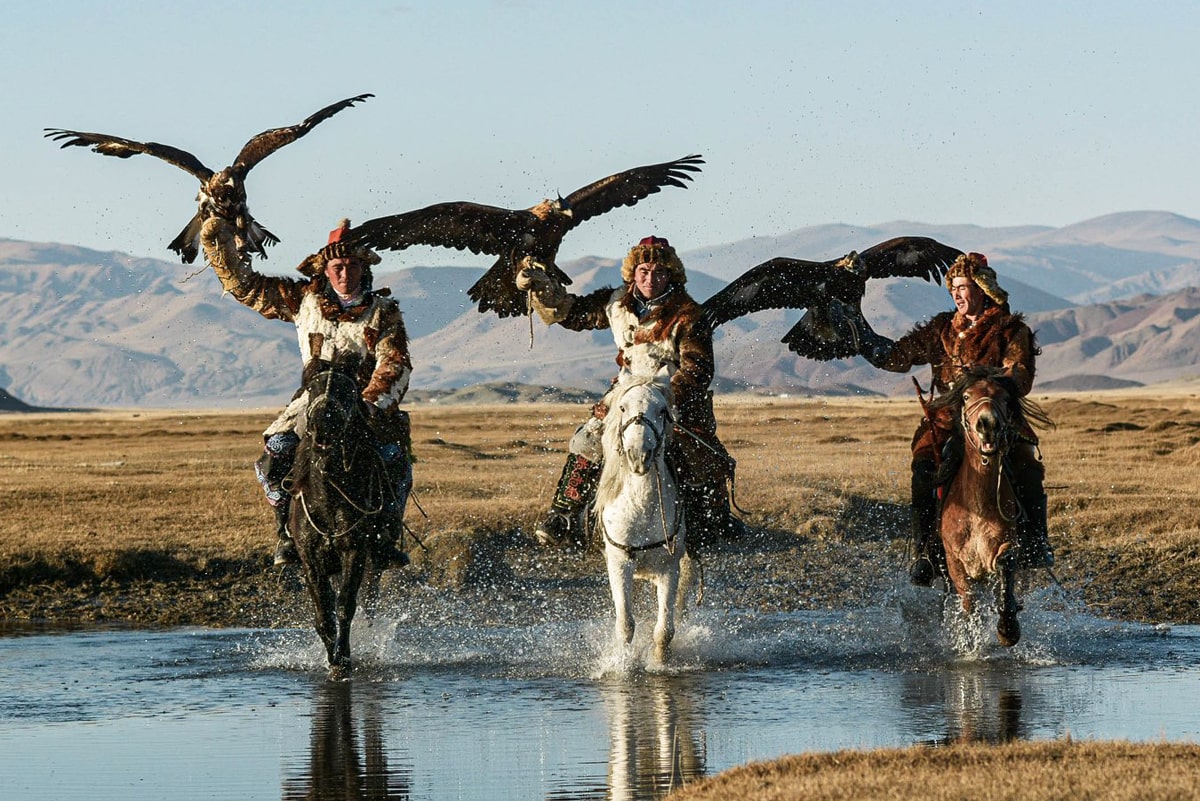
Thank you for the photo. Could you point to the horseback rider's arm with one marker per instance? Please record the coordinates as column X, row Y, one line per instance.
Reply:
column 1019, row 359
column 393, row 365
column 922, row 345
column 696, row 363
column 274, row 297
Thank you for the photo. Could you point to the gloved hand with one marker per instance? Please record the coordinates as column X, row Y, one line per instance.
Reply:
column 876, row 348
column 533, row 278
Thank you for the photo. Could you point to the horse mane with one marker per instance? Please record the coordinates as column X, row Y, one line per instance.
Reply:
column 1025, row 410
column 612, row 472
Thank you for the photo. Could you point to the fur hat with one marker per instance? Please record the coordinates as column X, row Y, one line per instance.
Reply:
column 336, row 248
column 653, row 250
column 975, row 267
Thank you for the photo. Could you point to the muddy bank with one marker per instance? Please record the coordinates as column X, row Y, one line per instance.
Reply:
column 766, row 570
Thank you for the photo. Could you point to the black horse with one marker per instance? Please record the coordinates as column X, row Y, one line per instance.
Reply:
column 340, row 491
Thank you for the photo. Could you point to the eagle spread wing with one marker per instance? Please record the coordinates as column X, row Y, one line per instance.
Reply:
column 513, row 234
column 627, row 188
column 124, row 148
column 831, row 292
column 221, row 193
column 268, row 142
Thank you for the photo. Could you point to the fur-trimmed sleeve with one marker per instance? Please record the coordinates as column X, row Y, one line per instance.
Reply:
column 921, row 345
column 696, row 361
column 274, row 297
column 1020, row 356
column 393, row 365
column 589, row 312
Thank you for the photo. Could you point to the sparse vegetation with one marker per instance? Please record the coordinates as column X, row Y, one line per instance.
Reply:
column 155, row 517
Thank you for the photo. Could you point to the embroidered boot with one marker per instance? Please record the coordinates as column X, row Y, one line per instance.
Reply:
column 574, row 494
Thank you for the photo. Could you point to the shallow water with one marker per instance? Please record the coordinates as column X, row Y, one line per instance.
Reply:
column 473, row 711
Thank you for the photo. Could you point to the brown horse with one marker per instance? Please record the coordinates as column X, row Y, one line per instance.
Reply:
column 979, row 509
column 340, row 487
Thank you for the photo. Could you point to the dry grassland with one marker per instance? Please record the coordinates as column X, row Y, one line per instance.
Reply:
column 155, row 517
column 1018, row 771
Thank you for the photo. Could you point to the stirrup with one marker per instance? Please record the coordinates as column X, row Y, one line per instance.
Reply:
column 921, row 572
column 387, row 556
column 286, row 553
column 553, row 530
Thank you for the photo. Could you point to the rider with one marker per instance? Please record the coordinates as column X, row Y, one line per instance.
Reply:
column 336, row 312
column 653, row 320
column 982, row 331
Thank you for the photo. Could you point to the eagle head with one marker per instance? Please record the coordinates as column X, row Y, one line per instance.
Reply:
column 551, row 208
column 852, row 262
column 225, row 194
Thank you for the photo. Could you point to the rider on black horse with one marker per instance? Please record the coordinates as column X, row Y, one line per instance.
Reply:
column 336, row 313
column 981, row 331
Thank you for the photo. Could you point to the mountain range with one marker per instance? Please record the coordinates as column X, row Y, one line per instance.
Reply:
column 1112, row 300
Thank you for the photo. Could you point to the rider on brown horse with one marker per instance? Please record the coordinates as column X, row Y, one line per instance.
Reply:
column 336, row 313
column 653, row 320
column 981, row 331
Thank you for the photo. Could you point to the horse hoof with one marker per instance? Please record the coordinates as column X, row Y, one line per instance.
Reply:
column 1009, row 635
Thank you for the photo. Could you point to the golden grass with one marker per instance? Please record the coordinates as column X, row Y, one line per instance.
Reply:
column 128, row 495
column 1017, row 771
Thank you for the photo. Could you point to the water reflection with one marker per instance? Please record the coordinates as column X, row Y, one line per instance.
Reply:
column 656, row 737
column 341, row 767
column 978, row 704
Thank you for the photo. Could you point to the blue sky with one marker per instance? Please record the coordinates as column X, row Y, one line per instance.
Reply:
column 807, row 113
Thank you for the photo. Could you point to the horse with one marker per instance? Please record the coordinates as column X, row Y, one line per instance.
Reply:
column 339, row 488
column 980, row 509
column 638, row 506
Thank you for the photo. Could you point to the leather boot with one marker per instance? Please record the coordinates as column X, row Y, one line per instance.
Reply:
column 924, row 529
column 285, row 547
column 575, row 492
column 1033, row 536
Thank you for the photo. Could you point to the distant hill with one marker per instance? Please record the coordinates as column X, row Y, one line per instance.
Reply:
column 1110, row 297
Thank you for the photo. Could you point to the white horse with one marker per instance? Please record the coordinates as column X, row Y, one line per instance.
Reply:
column 638, row 505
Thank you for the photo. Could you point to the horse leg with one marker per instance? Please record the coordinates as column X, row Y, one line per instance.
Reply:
column 667, row 583
column 1008, row 629
column 688, row 569
column 353, row 567
column 320, row 591
column 620, row 581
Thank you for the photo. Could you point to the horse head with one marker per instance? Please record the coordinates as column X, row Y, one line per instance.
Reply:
column 986, row 416
column 333, row 403
column 640, row 420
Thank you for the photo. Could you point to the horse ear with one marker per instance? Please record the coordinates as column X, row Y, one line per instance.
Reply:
column 665, row 371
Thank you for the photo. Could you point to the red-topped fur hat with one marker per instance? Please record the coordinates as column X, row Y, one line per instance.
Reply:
column 337, row 248
column 975, row 267
column 653, row 250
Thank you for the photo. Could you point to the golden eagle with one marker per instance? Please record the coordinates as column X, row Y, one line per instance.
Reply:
column 223, row 193
column 517, row 235
column 833, row 327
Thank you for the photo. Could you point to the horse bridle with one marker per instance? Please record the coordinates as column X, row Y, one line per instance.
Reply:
column 659, row 441
column 1004, row 439
column 1004, row 429
column 641, row 419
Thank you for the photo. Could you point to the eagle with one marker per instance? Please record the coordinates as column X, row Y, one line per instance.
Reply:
column 222, row 193
column 833, row 327
column 518, row 237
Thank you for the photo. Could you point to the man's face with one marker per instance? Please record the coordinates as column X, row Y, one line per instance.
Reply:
column 968, row 297
column 345, row 275
column 651, row 279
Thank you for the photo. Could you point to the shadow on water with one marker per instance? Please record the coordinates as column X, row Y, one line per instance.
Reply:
column 348, row 755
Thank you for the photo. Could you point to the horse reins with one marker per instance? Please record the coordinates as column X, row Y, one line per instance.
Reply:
column 659, row 441
column 1003, row 444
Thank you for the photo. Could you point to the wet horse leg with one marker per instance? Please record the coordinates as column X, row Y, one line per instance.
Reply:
column 320, row 591
column 353, row 567
column 1008, row 629
column 667, row 583
column 620, row 581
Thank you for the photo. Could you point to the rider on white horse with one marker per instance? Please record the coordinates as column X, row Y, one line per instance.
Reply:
column 653, row 320
column 336, row 312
